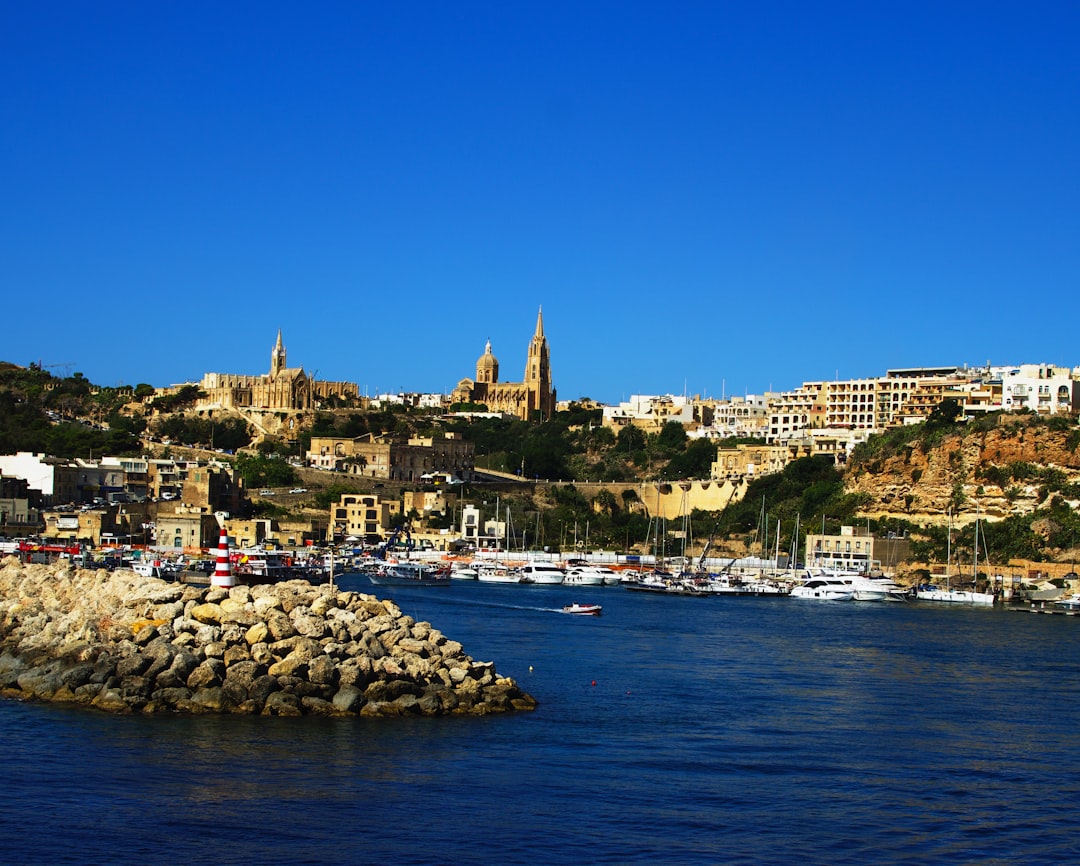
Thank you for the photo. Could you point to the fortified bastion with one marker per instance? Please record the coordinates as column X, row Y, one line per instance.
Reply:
column 125, row 643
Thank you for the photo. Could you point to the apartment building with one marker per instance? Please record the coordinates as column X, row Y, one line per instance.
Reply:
column 902, row 396
column 1042, row 388
column 363, row 516
column 796, row 411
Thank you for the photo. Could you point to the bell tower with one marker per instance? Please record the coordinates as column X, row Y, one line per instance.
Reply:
column 538, row 372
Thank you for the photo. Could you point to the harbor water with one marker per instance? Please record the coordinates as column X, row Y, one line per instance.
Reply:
column 670, row 730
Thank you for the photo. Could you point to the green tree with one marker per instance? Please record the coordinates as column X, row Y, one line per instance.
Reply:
column 672, row 437
column 261, row 471
column 944, row 415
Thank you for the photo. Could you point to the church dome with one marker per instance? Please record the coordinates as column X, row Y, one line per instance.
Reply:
column 487, row 368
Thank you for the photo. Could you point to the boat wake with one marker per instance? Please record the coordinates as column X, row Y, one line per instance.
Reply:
column 472, row 603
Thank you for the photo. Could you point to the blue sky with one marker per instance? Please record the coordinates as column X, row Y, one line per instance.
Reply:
column 703, row 197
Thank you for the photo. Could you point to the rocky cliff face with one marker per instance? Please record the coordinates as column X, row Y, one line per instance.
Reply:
column 919, row 484
column 125, row 643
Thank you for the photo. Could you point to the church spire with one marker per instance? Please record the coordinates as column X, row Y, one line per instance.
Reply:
column 277, row 357
column 540, row 323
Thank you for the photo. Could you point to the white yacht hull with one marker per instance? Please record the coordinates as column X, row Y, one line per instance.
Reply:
column 955, row 596
column 823, row 594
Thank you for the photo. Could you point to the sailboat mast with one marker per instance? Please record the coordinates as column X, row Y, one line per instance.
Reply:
column 948, row 552
column 975, row 561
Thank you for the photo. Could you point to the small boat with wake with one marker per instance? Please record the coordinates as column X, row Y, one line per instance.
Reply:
column 582, row 609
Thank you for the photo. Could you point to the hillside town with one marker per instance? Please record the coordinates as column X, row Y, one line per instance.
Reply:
column 162, row 504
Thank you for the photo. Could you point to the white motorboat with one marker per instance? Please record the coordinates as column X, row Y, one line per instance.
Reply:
column 582, row 609
column 590, row 575
column 540, row 573
column 824, row 588
column 1071, row 602
column 869, row 588
column 463, row 571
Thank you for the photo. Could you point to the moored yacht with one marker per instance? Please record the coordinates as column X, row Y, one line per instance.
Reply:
column 463, row 571
column 409, row 573
column 495, row 572
column 824, row 588
column 869, row 588
column 589, row 575
column 580, row 572
column 540, row 573
column 949, row 595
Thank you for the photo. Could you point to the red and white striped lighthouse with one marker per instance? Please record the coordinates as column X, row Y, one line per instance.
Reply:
column 223, row 575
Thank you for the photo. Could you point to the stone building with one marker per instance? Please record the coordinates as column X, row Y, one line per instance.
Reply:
column 530, row 400
column 187, row 528
column 749, row 461
column 363, row 516
column 18, row 508
column 383, row 457
column 649, row 413
column 284, row 388
column 216, row 486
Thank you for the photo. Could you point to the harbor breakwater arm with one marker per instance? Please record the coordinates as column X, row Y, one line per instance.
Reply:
column 126, row 643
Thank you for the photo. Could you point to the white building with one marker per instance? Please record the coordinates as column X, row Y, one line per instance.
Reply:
column 744, row 417
column 650, row 413
column 413, row 400
column 1042, row 388
column 58, row 480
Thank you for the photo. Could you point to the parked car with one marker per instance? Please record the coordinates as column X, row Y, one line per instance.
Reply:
column 298, row 490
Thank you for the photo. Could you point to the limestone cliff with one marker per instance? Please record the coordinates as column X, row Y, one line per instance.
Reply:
column 1003, row 470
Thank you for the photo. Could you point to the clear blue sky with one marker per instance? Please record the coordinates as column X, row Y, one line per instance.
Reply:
column 702, row 196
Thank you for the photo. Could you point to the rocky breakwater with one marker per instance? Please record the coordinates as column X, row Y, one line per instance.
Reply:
column 125, row 643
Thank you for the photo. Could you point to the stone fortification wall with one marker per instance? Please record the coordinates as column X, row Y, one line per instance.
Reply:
column 125, row 643
column 669, row 500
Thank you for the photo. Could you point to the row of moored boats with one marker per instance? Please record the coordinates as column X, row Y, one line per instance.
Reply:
column 815, row 584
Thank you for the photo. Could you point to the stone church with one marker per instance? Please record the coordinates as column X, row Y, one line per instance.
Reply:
column 531, row 400
column 284, row 388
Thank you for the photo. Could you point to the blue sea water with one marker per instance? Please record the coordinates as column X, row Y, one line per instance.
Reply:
column 670, row 730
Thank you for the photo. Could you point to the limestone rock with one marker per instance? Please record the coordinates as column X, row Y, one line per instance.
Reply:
column 124, row 643
column 207, row 613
